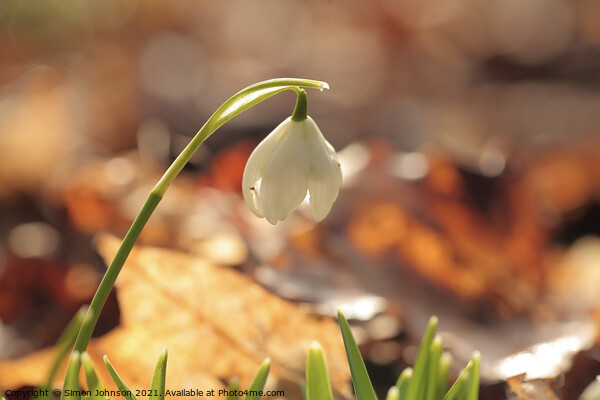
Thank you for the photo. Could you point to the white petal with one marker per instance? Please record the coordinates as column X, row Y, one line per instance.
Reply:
column 257, row 163
column 285, row 178
column 325, row 172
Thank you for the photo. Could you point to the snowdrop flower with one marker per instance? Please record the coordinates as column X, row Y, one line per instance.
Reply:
column 291, row 160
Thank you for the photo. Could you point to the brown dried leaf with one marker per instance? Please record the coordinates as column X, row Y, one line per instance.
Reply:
column 535, row 389
column 216, row 323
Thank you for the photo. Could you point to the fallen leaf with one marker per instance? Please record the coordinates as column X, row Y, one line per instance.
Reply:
column 535, row 389
column 216, row 323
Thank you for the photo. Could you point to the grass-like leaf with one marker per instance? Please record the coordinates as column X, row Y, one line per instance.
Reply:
column 157, row 387
column 125, row 391
column 416, row 388
column 403, row 382
column 63, row 344
column 393, row 394
column 232, row 388
column 432, row 376
column 460, row 384
column 473, row 384
column 93, row 383
column 71, row 388
column 318, row 385
column 443, row 375
column 258, row 383
column 360, row 378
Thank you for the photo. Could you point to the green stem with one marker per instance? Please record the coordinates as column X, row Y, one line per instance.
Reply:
column 235, row 105
column 85, row 333
column 301, row 106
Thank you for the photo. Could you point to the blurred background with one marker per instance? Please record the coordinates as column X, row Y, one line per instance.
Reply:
column 468, row 131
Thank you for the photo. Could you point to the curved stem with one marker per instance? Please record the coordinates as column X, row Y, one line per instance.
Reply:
column 93, row 313
column 235, row 105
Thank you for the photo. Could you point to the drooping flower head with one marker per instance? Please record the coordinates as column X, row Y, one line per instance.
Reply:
column 292, row 160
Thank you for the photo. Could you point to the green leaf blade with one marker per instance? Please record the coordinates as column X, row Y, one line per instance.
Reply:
column 157, row 387
column 125, row 391
column 91, row 377
column 233, row 388
column 431, row 378
column 403, row 382
column 460, row 384
column 473, row 384
column 393, row 394
column 71, row 389
column 318, row 384
column 64, row 344
column 258, row 383
column 416, row 389
column 360, row 378
column 443, row 375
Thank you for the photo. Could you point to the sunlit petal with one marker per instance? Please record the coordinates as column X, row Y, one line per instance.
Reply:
column 256, row 165
column 285, row 178
column 325, row 172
